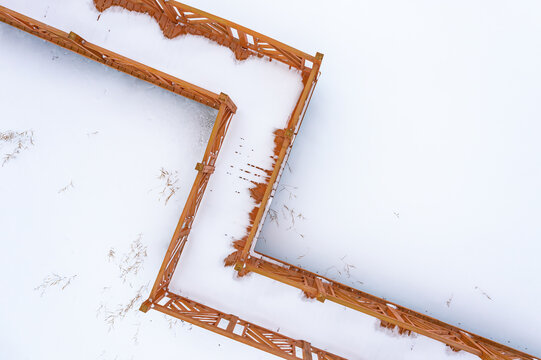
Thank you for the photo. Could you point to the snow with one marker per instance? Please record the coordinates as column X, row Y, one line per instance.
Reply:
column 409, row 82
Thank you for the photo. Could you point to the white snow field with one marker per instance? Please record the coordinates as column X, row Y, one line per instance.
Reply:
column 402, row 74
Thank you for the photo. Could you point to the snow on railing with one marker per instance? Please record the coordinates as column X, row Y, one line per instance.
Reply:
column 241, row 330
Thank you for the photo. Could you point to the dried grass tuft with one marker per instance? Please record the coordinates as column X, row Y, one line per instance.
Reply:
column 132, row 261
column 170, row 187
column 54, row 280
column 114, row 316
column 67, row 187
column 15, row 142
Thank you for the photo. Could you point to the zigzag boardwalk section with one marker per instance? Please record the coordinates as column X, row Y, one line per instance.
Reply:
column 182, row 308
column 177, row 19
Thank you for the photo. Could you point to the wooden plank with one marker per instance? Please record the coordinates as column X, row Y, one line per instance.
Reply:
column 232, row 323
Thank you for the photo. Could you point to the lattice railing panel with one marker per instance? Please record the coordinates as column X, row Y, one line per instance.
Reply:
column 390, row 314
column 240, row 330
column 177, row 19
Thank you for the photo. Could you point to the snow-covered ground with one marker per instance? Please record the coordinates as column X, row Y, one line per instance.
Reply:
column 410, row 63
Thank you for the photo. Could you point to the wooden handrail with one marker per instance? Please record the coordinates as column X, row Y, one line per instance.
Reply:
column 176, row 19
column 245, row 30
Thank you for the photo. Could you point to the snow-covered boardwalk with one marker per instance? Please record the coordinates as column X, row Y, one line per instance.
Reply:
column 223, row 215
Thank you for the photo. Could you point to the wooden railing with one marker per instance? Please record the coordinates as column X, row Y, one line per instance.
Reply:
column 226, row 108
column 240, row 330
column 184, row 226
column 391, row 315
column 285, row 139
column 160, row 299
column 74, row 42
column 177, row 19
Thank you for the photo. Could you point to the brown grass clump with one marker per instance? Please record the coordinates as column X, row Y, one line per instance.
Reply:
column 15, row 142
column 67, row 187
column 113, row 316
column 132, row 261
column 170, row 187
column 54, row 280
